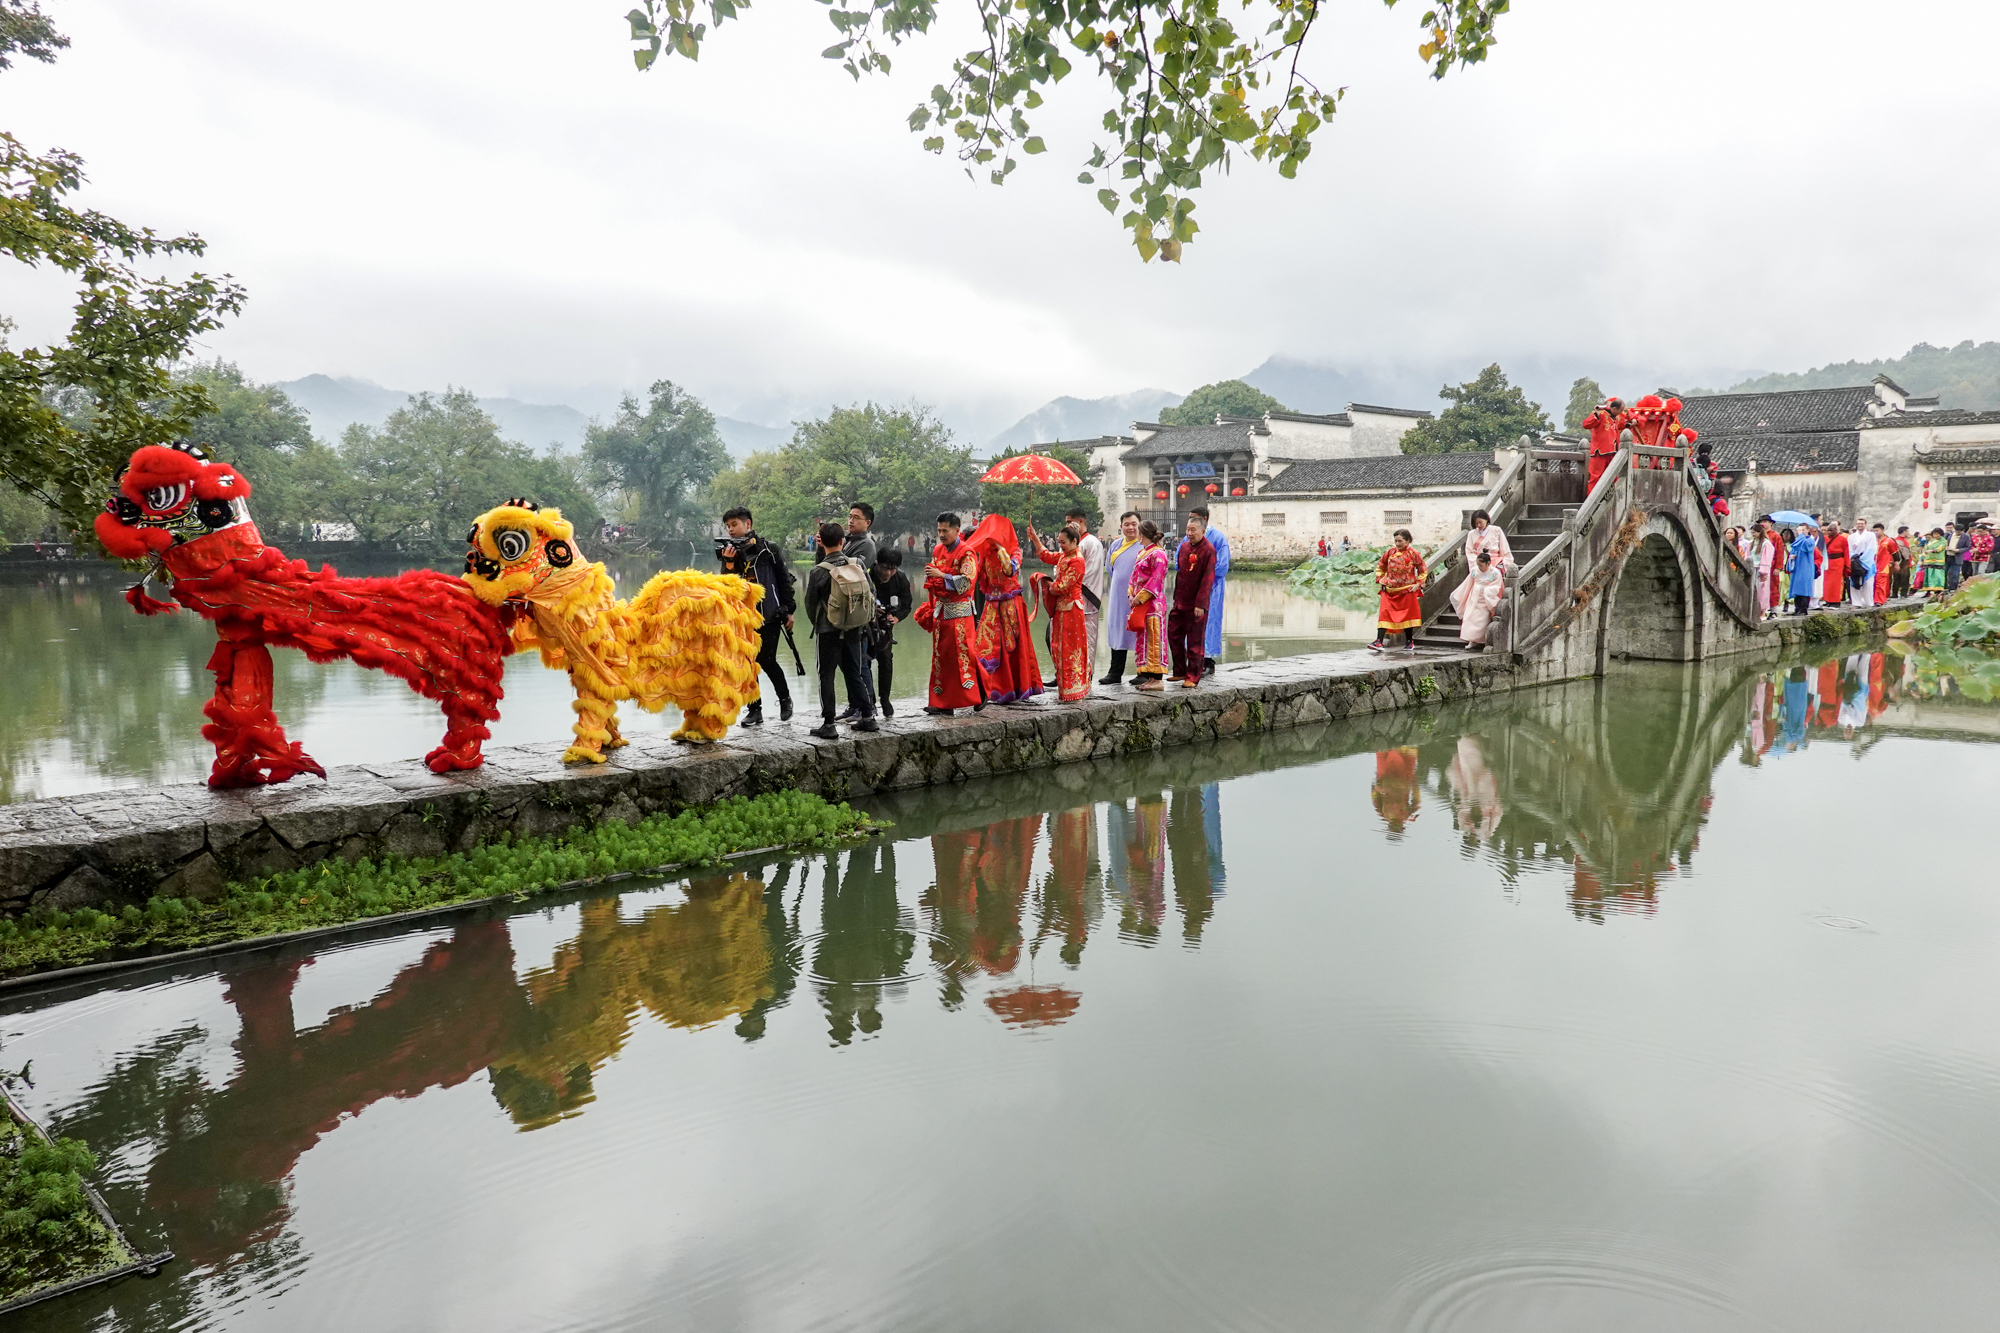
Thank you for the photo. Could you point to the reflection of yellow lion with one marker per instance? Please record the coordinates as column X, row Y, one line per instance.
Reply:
column 688, row 639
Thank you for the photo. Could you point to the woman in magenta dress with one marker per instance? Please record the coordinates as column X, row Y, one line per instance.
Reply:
column 1146, row 592
column 1006, row 649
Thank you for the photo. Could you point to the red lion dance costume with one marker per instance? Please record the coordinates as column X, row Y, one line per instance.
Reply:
column 188, row 514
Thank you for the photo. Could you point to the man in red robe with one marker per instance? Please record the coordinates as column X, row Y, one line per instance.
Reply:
column 1187, row 622
column 955, row 677
column 1885, row 554
column 1833, row 588
column 1603, row 424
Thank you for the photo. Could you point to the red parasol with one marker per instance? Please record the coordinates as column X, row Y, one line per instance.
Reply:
column 1034, row 1006
column 1032, row 470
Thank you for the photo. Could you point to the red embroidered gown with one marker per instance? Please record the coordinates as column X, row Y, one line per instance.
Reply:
column 1072, row 640
column 948, row 578
column 1006, row 650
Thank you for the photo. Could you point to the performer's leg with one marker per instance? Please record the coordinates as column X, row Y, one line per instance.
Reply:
column 250, row 746
column 594, row 726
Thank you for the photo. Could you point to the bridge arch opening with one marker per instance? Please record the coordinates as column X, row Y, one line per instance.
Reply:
column 1650, row 617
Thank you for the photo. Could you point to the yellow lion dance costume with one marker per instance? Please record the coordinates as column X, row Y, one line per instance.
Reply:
column 688, row 639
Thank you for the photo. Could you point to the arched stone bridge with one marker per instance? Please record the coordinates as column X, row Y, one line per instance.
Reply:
column 1637, row 568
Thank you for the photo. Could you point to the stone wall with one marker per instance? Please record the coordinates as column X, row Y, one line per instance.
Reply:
column 188, row 841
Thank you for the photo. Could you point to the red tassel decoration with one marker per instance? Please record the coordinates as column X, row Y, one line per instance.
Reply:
column 147, row 606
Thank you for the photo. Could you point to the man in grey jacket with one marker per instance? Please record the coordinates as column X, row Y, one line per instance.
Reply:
column 859, row 547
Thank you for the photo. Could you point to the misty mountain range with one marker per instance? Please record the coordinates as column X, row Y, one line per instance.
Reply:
column 1967, row 375
column 333, row 403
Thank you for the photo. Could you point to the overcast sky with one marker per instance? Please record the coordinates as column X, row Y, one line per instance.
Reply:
column 489, row 195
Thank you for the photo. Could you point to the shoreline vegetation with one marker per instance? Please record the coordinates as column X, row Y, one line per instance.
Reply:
column 337, row 892
column 50, row 1236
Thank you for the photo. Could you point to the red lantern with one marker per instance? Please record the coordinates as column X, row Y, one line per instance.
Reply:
column 1213, row 489
column 1160, row 494
column 1182, row 488
column 1236, row 491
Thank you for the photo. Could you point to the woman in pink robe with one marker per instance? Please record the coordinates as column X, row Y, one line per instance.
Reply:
column 1477, row 598
column 1764, row 555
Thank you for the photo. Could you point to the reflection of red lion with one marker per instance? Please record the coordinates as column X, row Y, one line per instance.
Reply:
column 188, row 514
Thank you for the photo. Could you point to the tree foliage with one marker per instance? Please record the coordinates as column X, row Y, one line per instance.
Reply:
column 259, row 429
column 655, row 461
column 1185, row 88
column 1584, row 396
column 1047, row 505
column 1967, row 375
column 1230, row 398
column 72, row 412
column 437, row 463
column 900, row 460
column 1485, row 412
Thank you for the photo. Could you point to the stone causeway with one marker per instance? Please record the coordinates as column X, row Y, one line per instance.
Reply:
column 186, row 840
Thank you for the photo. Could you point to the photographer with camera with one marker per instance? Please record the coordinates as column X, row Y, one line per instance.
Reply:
column 748, row 556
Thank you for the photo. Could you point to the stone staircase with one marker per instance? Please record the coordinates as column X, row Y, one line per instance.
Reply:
column 1538, row 525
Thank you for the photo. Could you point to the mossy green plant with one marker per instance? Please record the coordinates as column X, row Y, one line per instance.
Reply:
column 49, row 1233
column 335, row 892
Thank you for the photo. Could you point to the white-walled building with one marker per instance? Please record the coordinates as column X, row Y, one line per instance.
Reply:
column 1362, row 499
column 1164, row 471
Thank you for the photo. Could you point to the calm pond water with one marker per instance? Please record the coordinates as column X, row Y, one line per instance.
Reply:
column 104, row 698
column 1665, row 1002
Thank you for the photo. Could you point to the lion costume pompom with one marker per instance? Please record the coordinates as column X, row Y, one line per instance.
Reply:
column 688, row 639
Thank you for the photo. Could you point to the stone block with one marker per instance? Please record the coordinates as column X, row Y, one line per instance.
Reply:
column 262, row 853
column 200, row 877
column 1231, row 719
column 1075, row 744
column 158, row 845
column 85, row 886
column 410, row 834
column 323, row 815
column 30, row 861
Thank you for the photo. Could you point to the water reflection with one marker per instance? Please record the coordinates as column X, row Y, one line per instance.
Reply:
column 102, row 698
column 1001, row 898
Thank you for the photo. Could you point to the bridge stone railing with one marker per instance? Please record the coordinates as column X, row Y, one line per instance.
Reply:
column 1542, row 595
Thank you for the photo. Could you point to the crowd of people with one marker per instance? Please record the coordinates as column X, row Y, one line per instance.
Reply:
column 986, row 588
column 1804, row 566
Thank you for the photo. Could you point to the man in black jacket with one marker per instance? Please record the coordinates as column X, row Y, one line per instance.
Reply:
column 893, row 606
column 749, row 556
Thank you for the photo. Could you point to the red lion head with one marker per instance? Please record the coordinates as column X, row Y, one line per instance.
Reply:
column 168, row 494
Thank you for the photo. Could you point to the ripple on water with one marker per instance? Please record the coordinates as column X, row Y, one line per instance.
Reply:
column 1550, row 1286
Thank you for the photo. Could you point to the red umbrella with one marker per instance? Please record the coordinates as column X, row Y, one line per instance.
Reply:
column 1033, row 470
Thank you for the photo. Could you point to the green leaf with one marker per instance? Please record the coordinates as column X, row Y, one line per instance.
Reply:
column 1034, row 145
column 1109, row 198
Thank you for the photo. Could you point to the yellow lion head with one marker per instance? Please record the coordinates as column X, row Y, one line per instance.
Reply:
column 514, row 548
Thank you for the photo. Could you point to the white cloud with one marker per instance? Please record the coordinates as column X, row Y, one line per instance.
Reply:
column 493, row 197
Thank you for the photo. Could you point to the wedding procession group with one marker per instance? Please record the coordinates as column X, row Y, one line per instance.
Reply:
column 978, row 615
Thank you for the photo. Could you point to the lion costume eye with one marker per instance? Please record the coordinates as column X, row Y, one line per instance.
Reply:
column 512, row 543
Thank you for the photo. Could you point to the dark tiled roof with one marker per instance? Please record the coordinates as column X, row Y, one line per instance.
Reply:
column 1225, row 439
column 1389, row 411
column 1389, row 472
column 1956, row 416
column 1794, row 451
column 1335, row 419
column 1790, row 411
